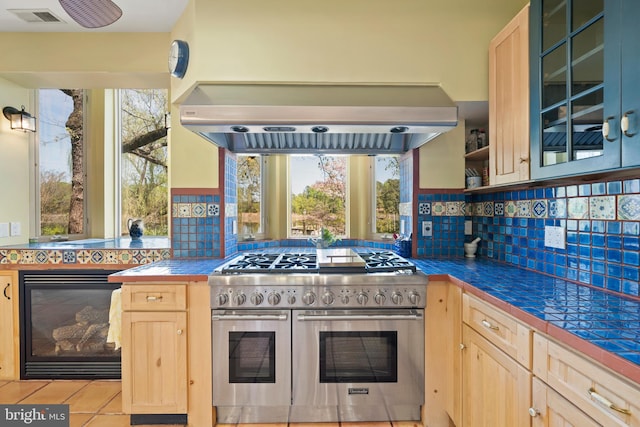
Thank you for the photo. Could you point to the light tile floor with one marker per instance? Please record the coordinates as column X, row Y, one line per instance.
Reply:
column 98, row 403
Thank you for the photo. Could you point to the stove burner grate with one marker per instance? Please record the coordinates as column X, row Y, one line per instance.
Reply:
column 296, row 262
column 252, row 262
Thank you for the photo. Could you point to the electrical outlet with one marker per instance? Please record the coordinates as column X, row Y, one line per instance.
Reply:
column 427, row 229
column 554, row 237
column 16, row 229
column 468, row 227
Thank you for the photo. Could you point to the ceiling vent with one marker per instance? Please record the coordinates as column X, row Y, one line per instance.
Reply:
column 35, row 15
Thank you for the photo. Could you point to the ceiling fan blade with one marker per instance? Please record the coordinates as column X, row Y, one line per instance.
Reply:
column 92, row 13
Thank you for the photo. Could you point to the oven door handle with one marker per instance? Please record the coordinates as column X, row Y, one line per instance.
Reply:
column 316, row 317
column 282, row 316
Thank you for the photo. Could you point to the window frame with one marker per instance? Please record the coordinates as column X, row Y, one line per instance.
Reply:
column 35, row 218
column 374, row 199
column 263, row 198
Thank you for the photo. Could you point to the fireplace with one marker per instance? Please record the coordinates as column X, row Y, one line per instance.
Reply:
column 64, row 324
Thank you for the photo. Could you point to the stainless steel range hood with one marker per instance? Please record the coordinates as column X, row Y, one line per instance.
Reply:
column 318, row 118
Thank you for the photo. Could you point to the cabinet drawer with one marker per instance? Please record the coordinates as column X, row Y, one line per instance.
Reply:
column 500, row 328
column 603, row 395
column 154, row 297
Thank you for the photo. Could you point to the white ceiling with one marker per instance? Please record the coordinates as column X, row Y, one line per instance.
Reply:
column 137, row 16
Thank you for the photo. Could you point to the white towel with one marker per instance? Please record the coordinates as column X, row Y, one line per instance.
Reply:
column 115, row 318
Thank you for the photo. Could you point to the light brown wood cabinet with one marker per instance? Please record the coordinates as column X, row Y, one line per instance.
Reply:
column 496, row 379
column 154, row 349
column 603, row 395
column 509, row 102
column 549, row 409
column 9, row 332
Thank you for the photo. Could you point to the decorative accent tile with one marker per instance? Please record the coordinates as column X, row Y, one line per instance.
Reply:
column 602, row 207
column 83, row 256
column 68, row 257
column 424, row 208
column 184, row 210
column 41, row 257
column 629, row 207
column 510, row 209
column 55, row 257
column 97, row 257
column 213, row 209
column 470, row 209
column 498, row 208
column 478, row 209
column 524, row 208
column 578, row 208
column 174, row 210
column 487, row 208
column 438, row 208
column 539, row 208
column 199, row 210
column 453, row 208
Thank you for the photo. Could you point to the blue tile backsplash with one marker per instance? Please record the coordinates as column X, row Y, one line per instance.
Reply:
column 602, row 222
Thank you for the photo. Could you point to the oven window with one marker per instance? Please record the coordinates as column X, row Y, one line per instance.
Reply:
column 363, row 357
column 252, row 357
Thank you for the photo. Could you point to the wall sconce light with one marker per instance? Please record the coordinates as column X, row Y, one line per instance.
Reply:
column 20, row 119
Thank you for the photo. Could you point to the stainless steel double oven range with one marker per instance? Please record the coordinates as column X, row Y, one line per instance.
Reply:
column 332, row 335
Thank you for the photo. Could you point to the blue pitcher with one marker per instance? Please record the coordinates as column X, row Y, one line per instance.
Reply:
column 136, row 228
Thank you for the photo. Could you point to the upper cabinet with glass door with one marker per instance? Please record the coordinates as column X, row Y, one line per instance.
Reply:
column 578, row 72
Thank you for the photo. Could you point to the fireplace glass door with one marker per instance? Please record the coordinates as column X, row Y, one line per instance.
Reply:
column 65, row 325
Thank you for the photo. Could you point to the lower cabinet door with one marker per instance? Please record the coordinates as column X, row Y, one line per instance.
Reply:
column 549, row 409
column 154, row 362
column 497, row 390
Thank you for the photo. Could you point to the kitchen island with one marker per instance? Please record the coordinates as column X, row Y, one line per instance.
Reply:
column 593, row 322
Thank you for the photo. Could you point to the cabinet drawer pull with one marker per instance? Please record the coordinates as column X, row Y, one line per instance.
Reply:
column 533, row 412
column 606, row 129
column 488, row 324
column 179, row 331
column 606, row 402
column 152, row 298
column 625, row 124
column 6, row 288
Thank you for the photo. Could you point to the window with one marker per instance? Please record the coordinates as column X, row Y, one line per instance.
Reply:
column 60, row 174
column 318, row 195
column 250, row 206
column 387, row 191
column 143, row 164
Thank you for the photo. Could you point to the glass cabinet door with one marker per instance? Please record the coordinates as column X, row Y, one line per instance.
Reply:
column 568, row 88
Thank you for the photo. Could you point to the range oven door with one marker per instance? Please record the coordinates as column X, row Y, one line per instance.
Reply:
column 251, row 352
column 369, row 364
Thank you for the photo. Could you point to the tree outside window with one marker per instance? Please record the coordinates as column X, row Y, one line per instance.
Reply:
column 318, row 195
column 144, row 185
column 387, row 188
column 249, row 182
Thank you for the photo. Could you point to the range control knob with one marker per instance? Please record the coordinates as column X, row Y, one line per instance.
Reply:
column 222, row 299
column 328, row 298
column 274, row 298
column 309, row 298
column 362, row 298
column 396, row 298
column 379, row 298
column 291, row 299
column 256, row 298
column 345, row 299
column 414, row 298
column 239, row 298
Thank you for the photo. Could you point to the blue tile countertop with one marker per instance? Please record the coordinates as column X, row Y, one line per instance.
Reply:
column 603, row 325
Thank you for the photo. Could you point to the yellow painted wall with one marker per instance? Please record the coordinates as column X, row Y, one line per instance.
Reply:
column 86, row 60
column 442, row 160
column 431, row 41
column 14, row 164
